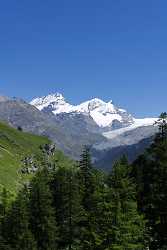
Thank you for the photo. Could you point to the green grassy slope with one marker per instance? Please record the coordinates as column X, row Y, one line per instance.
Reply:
column 15, row 146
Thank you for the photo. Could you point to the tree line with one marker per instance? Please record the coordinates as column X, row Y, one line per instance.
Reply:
column 82, row 208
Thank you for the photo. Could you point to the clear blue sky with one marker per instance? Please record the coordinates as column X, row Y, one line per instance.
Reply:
column 112, row 49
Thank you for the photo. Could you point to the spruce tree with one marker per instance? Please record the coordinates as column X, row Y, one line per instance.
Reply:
column 67, row 201
column 5, row 201
column 86, row 179
column 102, row 213
column 150, row 171
column 128, row 227
column 162, row 125
column 4, row 206
column 42, row 217
column 88, row 187
column 16, row 228
column 4, row 245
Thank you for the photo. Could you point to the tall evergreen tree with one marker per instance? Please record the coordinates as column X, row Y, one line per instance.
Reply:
column 69, row 212
column 16, row 230
column 4, row 206
column 4, row 245
column 3, row 202
column 128, row 227
column 162, row 125
column 86, row 179
column 150, row 171
column 102, row 213
column 42, row 217
column 6, row 199
column 88, row 188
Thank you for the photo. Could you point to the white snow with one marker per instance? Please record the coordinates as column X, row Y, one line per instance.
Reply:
column 104, row 121
column 103, row 113
column 122, row 110
column 137, row 123
column 56, row 101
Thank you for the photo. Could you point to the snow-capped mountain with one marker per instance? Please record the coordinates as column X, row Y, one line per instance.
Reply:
column 53, row 102
column 145, row 122
column 107, row 129
column 120, row 133
column 105, row 114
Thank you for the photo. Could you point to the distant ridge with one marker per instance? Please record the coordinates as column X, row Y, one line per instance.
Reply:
column 104, row 114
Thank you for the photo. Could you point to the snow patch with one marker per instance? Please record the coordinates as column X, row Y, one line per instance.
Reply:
column 137, row 123
column 103, row 113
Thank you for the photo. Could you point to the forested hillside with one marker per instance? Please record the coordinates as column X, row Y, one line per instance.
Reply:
column 71, row 205
column 21, row 154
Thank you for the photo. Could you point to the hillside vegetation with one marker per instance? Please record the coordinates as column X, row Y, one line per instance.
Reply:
column 19, row 150
column 67, row 205
column 15, row 145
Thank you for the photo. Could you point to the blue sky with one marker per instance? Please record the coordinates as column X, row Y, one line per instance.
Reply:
column 112, row 49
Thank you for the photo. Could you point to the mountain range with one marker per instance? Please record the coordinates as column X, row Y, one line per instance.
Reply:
column 110, row 131
column 106, row 115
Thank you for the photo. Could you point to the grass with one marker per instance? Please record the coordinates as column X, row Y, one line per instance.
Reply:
column 14, row 146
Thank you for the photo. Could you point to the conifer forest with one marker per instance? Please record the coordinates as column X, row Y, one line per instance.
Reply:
column 74, row 206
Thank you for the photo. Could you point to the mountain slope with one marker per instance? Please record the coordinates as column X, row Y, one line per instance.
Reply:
column 105, row 114
column 96, row 123
column 14, row 147
column 108, row 157
column 118, row 128
column 69, row 133
column 126, row 141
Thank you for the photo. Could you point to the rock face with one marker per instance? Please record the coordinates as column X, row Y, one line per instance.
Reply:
column 107, row 129
column 105, row 114
column 53, row 102
column 130, row 143
column 104, row 159
column 68, row 134
column 123, row 133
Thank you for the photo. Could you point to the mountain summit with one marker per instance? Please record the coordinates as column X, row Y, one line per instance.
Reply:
column 105, row 114
column 52, row 102
column 107, row 129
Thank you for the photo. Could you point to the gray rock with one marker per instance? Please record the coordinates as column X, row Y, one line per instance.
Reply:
column 68, row 133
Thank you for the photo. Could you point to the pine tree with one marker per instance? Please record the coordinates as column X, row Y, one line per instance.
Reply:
column 16, row 229
column 162, row 125
column 128, row 227
column 42, row 216
column 102, row 213
column 86, row 178
column 4, row 245
column 89, row 236
column 150, row 171
column 4, row 206
column 5, row 200
column 69, row 212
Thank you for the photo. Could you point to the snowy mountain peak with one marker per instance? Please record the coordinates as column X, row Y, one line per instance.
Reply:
column 52, row 102
column 47, row 99
column 98, row 105
column 105, row 114
column 90, row 105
